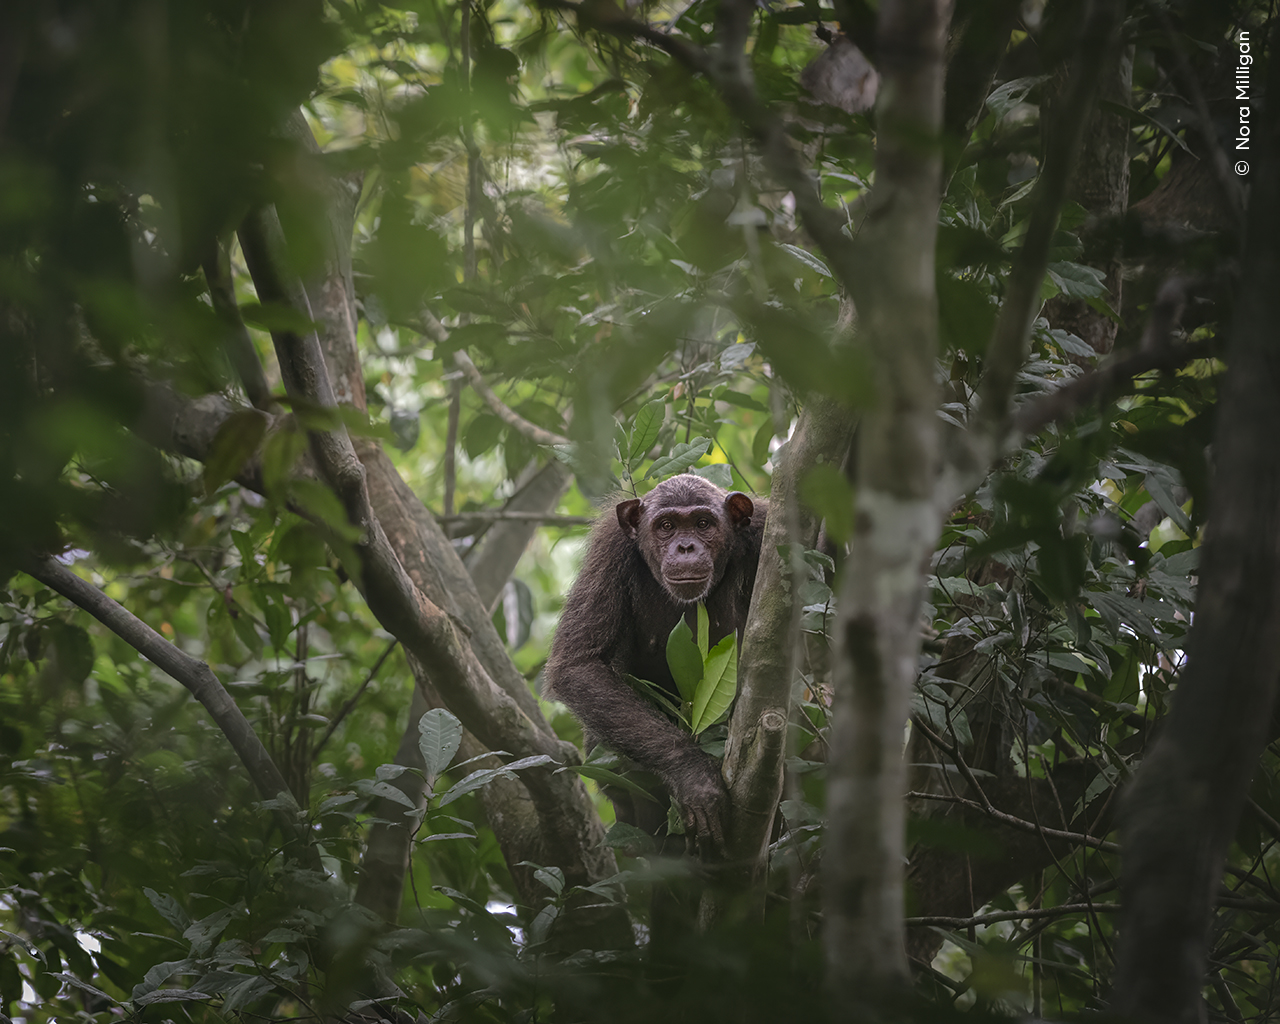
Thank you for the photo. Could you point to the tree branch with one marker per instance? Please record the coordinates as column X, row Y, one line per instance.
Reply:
column 198, row 678
column 1013, row 915
column 1103, row 383
column 509, row 416
column 239, row 346
column 497, row 718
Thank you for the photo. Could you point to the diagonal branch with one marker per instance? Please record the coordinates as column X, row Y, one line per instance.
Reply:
column 195, row 675
column 509, row 416
column 1103, row 383
column 427, row 631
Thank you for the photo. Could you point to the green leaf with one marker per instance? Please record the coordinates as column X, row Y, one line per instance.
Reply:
column 828, row 492
column 631, row 840
column 72, row 650
column 644, row 431
column 684, row 658
column 1078, row 281
column 482, row 435
column 704, row 628
column 718, row 473
column 608, row 778
column 473, row 782
column 552, row 878
column 807, row 258
column 1163, row 496
column 682, row 457
column 234, row 444
column 718, row 687
column 760, row 443
column 170, row 909
column 1009, row 95
column 439, row 734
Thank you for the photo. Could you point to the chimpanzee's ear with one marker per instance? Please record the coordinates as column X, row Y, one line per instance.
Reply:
column 629, row 516
column 739, row 508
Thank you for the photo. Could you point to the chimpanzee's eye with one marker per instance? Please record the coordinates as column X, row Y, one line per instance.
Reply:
column 666, row 526
column 704, row 523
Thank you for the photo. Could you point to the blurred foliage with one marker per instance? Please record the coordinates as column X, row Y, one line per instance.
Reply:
column 640, row 287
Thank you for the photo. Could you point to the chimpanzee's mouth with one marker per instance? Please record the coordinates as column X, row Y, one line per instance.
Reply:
column 685, row 580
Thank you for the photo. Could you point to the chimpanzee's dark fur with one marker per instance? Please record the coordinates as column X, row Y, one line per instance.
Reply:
column 618, row 616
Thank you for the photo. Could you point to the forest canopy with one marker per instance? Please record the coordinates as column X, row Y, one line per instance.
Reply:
column 328, row 328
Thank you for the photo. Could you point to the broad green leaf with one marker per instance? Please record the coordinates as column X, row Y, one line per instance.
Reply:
column 1006, row 97
column 1078, row 280
column 439, row 734
column 608, row 778
column 718, row 473
column 628, row 838
column 644, row 432
column 552, row 878
column 683, row 456
column 807, row 258
column 1163, row 496
column 718, row 687
column 235, row 444
column 73, row 651
column 473, row 782
column 170, row 909
column 684, row 659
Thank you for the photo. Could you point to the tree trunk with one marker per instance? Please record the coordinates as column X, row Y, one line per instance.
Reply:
column 896, row 520
column 1181, row 812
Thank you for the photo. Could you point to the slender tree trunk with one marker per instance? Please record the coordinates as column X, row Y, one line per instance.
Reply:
column 1182, row 810
column 896, row 521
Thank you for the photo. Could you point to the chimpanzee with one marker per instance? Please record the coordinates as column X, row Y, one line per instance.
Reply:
column 687, row 541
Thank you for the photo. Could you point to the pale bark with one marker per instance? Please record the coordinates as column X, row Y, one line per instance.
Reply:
column 896, row 521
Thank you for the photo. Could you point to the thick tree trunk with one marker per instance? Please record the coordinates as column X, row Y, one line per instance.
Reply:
column 1181, row 812
column 896, row 520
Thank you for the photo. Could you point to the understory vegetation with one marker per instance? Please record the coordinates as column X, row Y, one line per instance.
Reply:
column 326, row 329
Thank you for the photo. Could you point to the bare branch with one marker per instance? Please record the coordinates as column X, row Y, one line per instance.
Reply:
column 509, row 416
column 1013, row 915
column 354, row 699
column 195, row 675
column 1021, row 824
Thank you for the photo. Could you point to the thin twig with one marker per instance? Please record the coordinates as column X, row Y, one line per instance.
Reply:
column 1011, row 915
column 351, row 703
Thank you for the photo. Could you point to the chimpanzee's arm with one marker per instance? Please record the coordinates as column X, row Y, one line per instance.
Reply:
column 599, row 621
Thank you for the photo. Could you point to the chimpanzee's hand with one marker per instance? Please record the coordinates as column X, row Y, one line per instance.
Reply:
column 699, row 790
